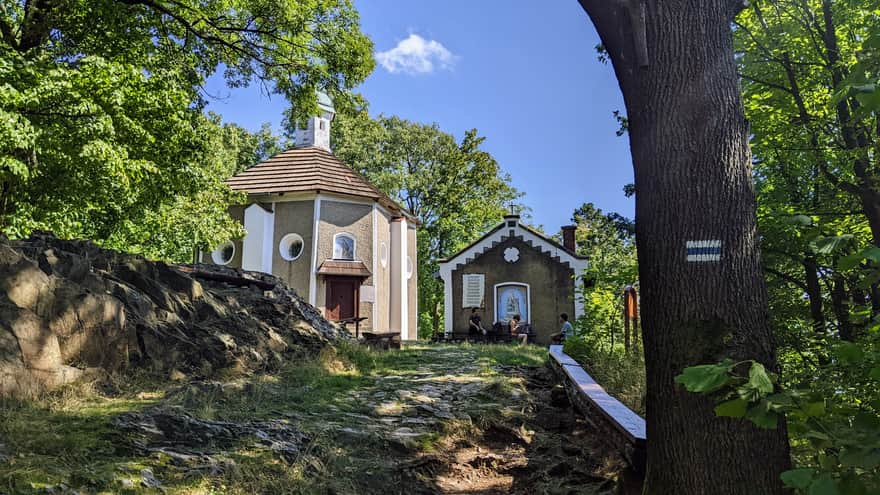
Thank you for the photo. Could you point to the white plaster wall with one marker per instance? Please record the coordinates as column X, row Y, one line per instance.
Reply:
column 257, row 244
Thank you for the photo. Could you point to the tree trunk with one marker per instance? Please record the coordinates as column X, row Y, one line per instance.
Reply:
column 689, row 143
column 814, row 292
column 841, row 308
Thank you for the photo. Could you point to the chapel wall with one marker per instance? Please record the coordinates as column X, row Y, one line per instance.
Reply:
column 353, row 218
column 294, row 217
column 551, row 287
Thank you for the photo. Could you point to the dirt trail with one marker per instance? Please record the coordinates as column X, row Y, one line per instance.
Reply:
column 427, row 419
column 505, row 429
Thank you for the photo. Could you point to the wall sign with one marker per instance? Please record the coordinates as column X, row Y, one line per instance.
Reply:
column 474, row 287
column 368, row 294
column 703, row 251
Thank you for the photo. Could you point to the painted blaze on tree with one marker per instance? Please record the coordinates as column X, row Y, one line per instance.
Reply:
column 689, row 141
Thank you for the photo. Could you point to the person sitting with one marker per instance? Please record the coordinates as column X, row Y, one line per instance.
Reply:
column 475, row 324
column 565, row 332
column 518, row 331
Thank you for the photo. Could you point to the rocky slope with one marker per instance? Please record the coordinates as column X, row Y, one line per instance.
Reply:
column 69, row 307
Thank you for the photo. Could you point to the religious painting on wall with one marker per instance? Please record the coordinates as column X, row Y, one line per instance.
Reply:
column 510, row 300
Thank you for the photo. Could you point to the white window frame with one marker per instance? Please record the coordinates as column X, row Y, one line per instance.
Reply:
column 216, row 253
column 528, row 299
column 353, row 246
column 283, row 249
column 383, row 254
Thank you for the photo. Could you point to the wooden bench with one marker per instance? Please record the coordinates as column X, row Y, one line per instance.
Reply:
column 499, row 332
column 623, row 429
column 384, row 340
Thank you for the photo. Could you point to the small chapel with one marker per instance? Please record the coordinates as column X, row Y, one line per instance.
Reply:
column 514, row 270
column 340, row 242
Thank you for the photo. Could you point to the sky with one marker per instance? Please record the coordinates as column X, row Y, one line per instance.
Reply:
column 523, row 73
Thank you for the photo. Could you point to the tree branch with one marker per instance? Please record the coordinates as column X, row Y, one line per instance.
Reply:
column 786, row 277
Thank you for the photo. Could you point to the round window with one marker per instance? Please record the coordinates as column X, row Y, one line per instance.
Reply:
column 291, row 247
column 409, row 267
column 224, row 253
column 383, row 254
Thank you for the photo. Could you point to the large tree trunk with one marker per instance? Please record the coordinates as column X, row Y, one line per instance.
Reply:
column 689, row 142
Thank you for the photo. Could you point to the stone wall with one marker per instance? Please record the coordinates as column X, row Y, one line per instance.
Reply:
column 67, row 307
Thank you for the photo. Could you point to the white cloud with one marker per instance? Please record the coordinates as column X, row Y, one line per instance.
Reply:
column 416, row 55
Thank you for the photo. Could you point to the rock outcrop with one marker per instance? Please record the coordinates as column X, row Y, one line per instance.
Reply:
column 67, row 307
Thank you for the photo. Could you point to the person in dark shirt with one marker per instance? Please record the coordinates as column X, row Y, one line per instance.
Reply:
column 475, row 323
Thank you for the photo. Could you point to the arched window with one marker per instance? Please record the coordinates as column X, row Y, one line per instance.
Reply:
column 224, row 253
column 344, row 246
column 291, row 247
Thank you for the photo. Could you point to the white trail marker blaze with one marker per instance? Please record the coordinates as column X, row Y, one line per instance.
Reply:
column 703, row 251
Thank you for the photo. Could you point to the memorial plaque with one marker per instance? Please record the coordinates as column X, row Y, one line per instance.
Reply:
column 474, row 286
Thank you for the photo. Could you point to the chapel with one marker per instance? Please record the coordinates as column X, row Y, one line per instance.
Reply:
column 514, row 270
column 340, row 242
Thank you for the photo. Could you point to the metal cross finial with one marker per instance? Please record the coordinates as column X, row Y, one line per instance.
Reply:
column 512, row 208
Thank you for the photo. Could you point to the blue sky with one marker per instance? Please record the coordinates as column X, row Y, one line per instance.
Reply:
column 523, row 73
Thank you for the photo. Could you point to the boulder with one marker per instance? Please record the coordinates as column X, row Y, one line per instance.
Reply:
column 68, row 306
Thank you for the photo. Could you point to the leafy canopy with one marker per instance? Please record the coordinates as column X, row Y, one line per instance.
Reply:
column 102, row 130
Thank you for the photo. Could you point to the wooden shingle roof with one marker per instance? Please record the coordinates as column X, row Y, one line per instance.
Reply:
column 309, row 169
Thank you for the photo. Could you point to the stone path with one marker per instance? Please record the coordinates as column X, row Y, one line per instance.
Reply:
column 501, row 428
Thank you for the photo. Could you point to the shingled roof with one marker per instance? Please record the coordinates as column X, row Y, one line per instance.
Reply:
column 310, row 169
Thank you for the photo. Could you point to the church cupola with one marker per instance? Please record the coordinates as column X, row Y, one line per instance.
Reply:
column 317, row 130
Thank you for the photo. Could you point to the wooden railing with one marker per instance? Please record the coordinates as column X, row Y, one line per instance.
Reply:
column 623, row 429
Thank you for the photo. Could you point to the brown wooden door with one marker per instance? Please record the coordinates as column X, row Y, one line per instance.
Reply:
column 341, row 298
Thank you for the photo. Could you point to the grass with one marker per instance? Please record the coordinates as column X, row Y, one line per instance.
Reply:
column 66, row 437
column 620, row 373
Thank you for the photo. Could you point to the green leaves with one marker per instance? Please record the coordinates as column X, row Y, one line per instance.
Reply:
column 830, row 244
column 705, row 378
column 735, row 408
column 759, row 380
column 102, row 130
column 798, row 478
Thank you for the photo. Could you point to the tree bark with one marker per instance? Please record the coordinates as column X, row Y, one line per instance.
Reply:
column 814, row 292
column 689, row 143
column 841, row 308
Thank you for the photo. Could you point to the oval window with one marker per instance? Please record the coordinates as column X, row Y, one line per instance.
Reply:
column 224, row 253
column 409, row 268
column 383, row 254
column 291, row 247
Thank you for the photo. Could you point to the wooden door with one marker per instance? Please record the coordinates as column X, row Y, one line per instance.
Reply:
column 342, row 298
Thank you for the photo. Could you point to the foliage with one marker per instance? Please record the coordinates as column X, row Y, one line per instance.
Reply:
column 455, row 188
column 102, row 133
column 608, row 240
column 621, row 372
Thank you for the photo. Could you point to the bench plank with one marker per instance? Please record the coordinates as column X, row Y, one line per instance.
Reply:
column 596, row 404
